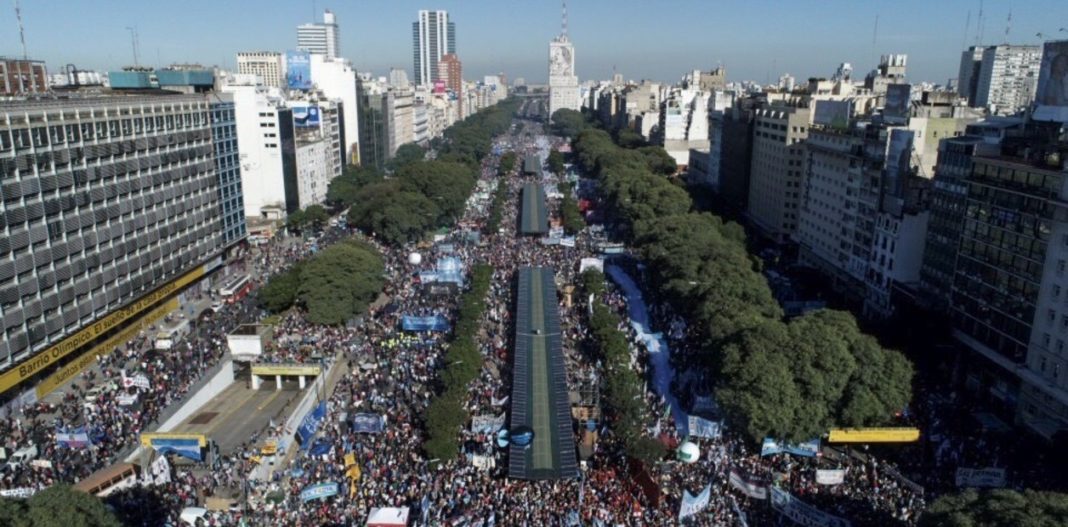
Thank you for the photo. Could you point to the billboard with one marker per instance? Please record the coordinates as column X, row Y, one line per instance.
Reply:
column 1052, row 96
column 833, row 113
column 298, row 70
column 874, row 435
column 306, row 116
column 896, row 108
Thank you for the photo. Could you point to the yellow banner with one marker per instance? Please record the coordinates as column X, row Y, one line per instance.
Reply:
column 350, row 459
column 874, row 435
column 353, row 473
column 285, row 369
column 89, row 333
column 64, row 374
column 147, row 437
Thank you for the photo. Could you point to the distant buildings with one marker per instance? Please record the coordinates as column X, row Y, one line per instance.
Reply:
column 1000, row 78
column 22, row 77
column 433, row 36
column 269, row 66
column 323, row 38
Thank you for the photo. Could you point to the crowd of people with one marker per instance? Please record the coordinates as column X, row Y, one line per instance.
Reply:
column 390, row 376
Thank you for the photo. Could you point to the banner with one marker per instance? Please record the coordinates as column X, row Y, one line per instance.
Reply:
column 483, row 462
column 76, row 438
column 310, row 424
column 874, row 435
column 694, row 504
column 46, row 358
column 285, row 369
column 298, row 70
column 567, row 241
column 306, row 117
column 752, row 489
column 126, row 399
column 148, row 437
column 701, row 427
column 21, row 493
column 830, row 477
column 802, row 513
column 368, row 423
column 159, row 472
column 981, row 477
column 807, row 449
column 350, row 459
column 434, row 323
column 320, row 491
column 487, row 424
column 187, row 448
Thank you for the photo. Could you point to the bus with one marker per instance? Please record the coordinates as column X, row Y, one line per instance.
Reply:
column 236, row 289
column 108, row 480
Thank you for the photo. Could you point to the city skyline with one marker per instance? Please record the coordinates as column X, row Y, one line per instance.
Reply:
column 754, row 42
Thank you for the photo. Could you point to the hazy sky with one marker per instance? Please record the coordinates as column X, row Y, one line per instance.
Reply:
column 656, row 39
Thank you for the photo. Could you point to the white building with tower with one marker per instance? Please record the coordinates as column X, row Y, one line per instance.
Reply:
column 320, row 38
column 564, row 89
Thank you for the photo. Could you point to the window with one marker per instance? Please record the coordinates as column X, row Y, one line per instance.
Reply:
column 1055, row 291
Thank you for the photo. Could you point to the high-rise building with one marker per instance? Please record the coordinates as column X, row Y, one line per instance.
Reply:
column 269, row 66
column 398, row 78
column 451, row 72
column 336, row 79
column 228, row 168
column 111, row 208
column 564, row 89
column 777, row 169
column 373, row 121
column 433, row 35
column 1004, row 80
column 22, row 77
column 320, row 38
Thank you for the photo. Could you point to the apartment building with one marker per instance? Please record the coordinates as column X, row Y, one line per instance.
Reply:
column 777, row 170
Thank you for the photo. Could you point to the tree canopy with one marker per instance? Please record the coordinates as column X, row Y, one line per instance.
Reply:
column 556, row 162
column 56, row 506
column 568, row 123
column 792, row 379
column 407, row 153
column 997, row 508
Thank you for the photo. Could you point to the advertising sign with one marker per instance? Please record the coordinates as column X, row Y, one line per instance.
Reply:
column 1052, row 96
column 981, row 477
column 306, row 116
column 833, row 113
column 298, row 70
column 874, row 435
column 896, row 108
column 802, row 513
column 320, row 491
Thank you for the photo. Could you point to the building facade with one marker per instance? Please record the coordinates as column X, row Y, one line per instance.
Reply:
column 777, row 169
column 228, row 170
column 433, row 36
column 22, row 77
column 269, row 66
column 1008, row 78
column 564, row 89
column 105, row 200
column 323, row 38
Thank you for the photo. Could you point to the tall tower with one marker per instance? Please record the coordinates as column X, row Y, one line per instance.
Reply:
column 433, row 36
column 320, row 38
column 563, row 82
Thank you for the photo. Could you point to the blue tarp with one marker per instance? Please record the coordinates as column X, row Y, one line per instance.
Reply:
column 310, row 424
column 188, row 448
column 434, row 323
column 368, row 423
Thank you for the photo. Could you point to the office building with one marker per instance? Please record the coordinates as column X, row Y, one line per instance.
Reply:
column 400, row 119
column 891, row 70
column 777, row 169
column 228, row 168
column 451, row 73
column 1004, row 80
column 320, row 38
column 22, row 77
column 269, row 66
column 335, row 78
column 564, row 89
column 433, row 35
column 111, row 205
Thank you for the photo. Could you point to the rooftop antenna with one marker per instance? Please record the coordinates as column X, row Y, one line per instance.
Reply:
column 133, row 43
column 874, row 38
column 563, row 21
column 1008, row 26
column 22, row 34
column 967, row 25
column 979, row 26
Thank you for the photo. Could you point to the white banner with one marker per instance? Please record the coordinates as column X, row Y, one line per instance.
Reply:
column 41, row 463
column 487, row 424
column 126, row 399
column 802, row 513
column 830, row 477
column 483, row 462
column 22, row 492
column 159, row 472
column 694, row 504
column 981, row 477
column 753, row 490
column 142, row 382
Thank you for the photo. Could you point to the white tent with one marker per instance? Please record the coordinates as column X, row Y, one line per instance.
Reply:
column 388, row 517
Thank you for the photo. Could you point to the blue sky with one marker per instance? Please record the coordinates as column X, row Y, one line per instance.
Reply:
column 754, row 39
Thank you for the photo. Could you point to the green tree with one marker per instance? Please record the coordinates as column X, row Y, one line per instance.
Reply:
column 58, row 506
column 591, row 282
column 507, row 163
column 295, row 221
column 343, row 189
column 446, row 184
column 407, row 153
column 340, row 282
column 628, row 138
column 658, row 160
column 316, row 216
column 393, row 214
column 280, row 291
column 997, row 508
column 556, row 162
column 568, row 123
